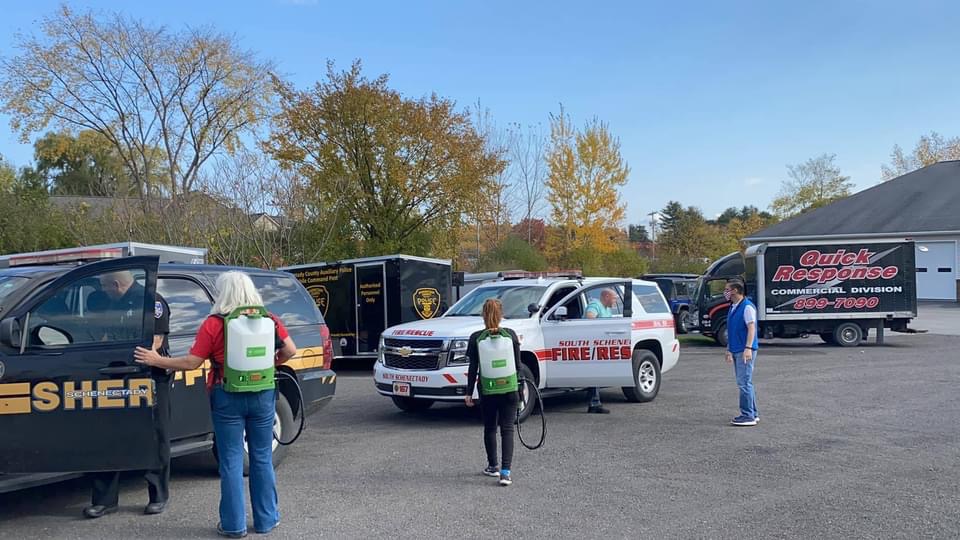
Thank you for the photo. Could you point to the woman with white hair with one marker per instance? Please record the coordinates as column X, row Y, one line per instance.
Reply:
column 236, row 412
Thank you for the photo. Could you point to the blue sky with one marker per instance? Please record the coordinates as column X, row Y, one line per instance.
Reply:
column 710, row 99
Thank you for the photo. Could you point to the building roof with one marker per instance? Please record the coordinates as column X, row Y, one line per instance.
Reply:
column 924, row 201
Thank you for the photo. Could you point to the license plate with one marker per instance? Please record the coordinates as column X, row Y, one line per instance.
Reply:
column 401, row 389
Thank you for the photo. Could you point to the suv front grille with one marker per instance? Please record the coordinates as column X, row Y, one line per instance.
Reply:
column 411, row 362
column 415, row 343
column 421, row 354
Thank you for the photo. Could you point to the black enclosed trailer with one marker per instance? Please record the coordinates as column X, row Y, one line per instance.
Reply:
column 360, row 298
column 839, row 291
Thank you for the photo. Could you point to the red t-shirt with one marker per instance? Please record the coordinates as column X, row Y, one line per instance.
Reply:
column 209, row 345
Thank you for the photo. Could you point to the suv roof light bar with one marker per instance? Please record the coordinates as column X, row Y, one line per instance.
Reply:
column 65, row 256
column 566, row 274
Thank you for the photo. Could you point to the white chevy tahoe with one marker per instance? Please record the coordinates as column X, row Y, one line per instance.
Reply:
column 562, row 350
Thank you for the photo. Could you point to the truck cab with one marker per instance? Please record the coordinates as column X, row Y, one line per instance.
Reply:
column 424, row 362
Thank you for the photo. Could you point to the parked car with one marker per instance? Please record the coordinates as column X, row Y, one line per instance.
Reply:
column 561, row 350
column 72, row 401
column 678, row 290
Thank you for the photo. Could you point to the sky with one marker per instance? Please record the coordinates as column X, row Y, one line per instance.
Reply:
column 711, row 100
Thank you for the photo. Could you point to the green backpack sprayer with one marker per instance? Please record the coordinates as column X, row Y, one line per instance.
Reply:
column 250, row 344
column 498, row 375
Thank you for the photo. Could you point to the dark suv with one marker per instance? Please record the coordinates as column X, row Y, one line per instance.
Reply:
column 73, row 400
column 678, row 290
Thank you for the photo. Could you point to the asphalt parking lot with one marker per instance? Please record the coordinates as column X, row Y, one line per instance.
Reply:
column 854, row 443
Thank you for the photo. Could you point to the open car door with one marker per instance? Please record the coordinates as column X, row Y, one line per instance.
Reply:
column 583, row 351
column 72, row 398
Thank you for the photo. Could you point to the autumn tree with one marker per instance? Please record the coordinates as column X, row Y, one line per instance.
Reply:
column 586, row 172
column 816, row 182
column 157, row 96
column 930, row 149
column 406, row 173
column 533, row 231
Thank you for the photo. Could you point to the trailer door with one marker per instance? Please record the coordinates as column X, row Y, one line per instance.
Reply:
column 371, row 306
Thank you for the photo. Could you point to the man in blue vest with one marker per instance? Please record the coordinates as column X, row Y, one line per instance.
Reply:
column 742, row 347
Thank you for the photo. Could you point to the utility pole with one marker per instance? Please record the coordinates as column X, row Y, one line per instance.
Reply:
column 654, row 216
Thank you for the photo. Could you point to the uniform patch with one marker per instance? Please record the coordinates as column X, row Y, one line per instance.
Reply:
column 158, row 309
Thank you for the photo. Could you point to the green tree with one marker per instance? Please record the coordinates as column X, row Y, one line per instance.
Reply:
column 638, row 233
column 8, row 176
column 87, row 164
column 743, row 214
column 513, row 254
column 816, row 182
column 406, row 173
column 27, row 220
column 179, row 98
column 930, row 149
column 688, row 241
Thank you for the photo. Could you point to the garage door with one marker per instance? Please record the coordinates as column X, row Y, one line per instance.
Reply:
column 936, row 270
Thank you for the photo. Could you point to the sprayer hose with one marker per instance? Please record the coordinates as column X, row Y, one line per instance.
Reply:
column 303, row 414
column 543, row 418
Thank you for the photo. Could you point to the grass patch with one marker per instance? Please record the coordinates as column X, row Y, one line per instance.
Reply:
column 696, row 339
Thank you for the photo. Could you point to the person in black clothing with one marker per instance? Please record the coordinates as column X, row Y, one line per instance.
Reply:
column 499, row 409
column 123, row 308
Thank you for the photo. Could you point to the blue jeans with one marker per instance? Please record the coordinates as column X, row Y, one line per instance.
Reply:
column 234, row 413
column 595, row 397
column 748, row 395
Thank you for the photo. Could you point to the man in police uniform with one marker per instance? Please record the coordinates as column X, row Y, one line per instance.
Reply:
column 125, row 308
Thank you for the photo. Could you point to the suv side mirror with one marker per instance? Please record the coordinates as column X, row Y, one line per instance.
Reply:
column 10, row 333
column 533, row 308
column 560, row 314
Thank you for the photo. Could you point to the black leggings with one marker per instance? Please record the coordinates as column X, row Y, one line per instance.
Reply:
column 499, row 410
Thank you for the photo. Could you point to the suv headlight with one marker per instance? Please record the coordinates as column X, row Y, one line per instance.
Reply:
column 380, row 351
column 458, row 352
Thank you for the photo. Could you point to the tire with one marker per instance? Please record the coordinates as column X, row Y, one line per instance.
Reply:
column 527, row 398
column 848, row 334
column 284, row 426
column 827, row 338
column 646, row 377
column 720, row 334
column 683, row 321
column 412, row 405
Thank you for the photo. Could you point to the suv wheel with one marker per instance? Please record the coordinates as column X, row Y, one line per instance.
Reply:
column 646, row 377
column 284, row 426
column 683, row 321
column 848, row 334
column 409, row 404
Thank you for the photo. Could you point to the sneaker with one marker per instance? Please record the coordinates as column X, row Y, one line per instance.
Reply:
column 226, row 534
column 744, row 421
column 505, row 478
column 598, row 409
column 492, row 471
